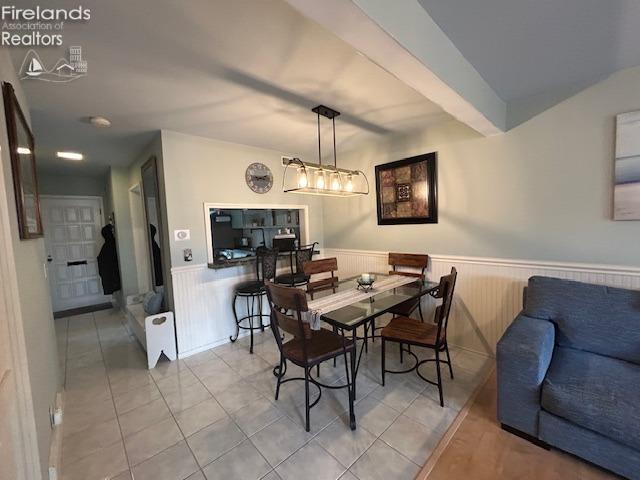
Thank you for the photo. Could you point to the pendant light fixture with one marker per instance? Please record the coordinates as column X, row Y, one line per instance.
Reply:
column 319, row 179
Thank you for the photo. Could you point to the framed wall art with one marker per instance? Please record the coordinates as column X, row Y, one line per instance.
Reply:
column 406, row 190
column 23, row 166
column 626, row 196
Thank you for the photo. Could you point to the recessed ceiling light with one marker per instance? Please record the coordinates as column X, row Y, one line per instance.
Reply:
column 24, row 150
column 70, row 155
column 99, row 121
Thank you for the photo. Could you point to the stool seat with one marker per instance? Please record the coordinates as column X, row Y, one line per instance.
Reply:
column 251, row 287
column 292, row 279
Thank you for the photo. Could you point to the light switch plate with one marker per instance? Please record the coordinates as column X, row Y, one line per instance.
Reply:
column 181, row 235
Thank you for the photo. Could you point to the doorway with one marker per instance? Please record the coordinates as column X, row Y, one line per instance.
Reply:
column 72, row 227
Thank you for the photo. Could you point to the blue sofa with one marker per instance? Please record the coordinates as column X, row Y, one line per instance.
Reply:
column 569, row 372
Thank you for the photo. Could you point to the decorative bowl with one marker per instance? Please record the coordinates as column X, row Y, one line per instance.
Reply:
column 366, row 279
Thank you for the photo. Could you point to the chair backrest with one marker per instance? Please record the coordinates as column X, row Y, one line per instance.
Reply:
column 445, row 291
column 324, row 265
column 303, row 254
column 266, row 263
column 408, row 260
column 287, row 299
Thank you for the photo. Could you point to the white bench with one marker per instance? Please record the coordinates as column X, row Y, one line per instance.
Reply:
column 156, row 333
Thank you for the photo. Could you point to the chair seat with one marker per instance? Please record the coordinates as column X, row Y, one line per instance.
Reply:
column 289, row 279
column 595, row 392
column 323, row 345
column 251, row 287
column 408, row 330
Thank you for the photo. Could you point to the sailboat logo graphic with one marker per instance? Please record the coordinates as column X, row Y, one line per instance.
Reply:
column 63, row 71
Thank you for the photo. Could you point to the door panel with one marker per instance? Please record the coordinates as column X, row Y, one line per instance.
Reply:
column 72, row 234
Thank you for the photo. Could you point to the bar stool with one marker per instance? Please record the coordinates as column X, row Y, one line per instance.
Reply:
column 253, row 291
column 297, row 277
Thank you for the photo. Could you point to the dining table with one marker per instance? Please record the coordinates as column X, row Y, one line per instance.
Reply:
column 351, row 307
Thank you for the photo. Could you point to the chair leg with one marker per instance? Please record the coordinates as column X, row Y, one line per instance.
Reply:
column 318, row 370
column 235, row 314
column 352, row 418
column 401, row 353
column 439, row 378
column 366, row 337
column 280, row 375
column 260, row 312
column 250, row 315
column 446, row 349
column 373, row 330
column 306, row 399
column 383, row 361
column 420, row 311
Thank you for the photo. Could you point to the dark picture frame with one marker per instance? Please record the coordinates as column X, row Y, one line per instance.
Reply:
column 23, row 166
column 153, row 217
column 407, row 190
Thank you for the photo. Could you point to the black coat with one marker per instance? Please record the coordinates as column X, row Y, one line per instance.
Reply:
column 108, row 262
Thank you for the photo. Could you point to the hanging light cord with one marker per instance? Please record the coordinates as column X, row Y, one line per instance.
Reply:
column 335, row 156
column 319, row 144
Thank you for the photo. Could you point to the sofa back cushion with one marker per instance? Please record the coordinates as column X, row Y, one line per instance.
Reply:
column 594, row 318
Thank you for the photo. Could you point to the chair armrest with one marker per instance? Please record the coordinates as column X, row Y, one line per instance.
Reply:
column 523, row 356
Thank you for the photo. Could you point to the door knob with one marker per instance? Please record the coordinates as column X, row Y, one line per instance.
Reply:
column 49, row 258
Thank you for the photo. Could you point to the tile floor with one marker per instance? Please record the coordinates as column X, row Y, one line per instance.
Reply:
column 213, row 415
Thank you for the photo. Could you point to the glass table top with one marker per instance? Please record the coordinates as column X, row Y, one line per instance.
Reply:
column 357, row 313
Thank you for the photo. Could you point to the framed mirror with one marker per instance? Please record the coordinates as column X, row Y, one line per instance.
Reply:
column 150, row 192
column 23, row 166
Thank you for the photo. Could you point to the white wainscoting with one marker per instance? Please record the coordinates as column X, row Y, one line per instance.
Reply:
column 488, row 290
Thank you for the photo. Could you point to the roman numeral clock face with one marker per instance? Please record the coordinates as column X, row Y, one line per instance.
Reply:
column 259, row 177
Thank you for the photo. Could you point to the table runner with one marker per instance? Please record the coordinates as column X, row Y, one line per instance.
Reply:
column 342, row 299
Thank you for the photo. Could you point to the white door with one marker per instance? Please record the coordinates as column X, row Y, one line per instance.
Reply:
column 72, row 237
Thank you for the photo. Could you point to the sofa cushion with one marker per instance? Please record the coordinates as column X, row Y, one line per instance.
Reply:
column 595, row 392
column 594, row 318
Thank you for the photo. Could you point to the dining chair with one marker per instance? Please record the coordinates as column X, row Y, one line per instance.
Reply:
column 297, row 258
column 253, row 291
column 324, row 265
column 409, row 331
column 398, row 261
column 307, row 348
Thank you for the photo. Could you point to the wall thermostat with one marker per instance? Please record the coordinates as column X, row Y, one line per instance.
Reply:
column 181, row 235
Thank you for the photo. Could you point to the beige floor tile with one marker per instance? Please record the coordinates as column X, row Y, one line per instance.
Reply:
column 125, row 380
column 174, row 383
column 187, row 397
column 344, row 444
column 136, row 398
column 123, row 476
column 272, row 476
column 381, row 462
column 279, row 440
column 215, row 440
column 105, row 463
column 79, row 417
column 397, row 394
column 257, row 415
column 199, row 416
column 166, row 368
column 412, row 439
column 348, row 476
column 311, row 462
column 244, row 462
column 218, row 381
column 374, row 415
column 90, row 440
column 143, row 417
column 236, row 396
column 174, row 463
column 197, row 476
column 429, row 413
column 95, row 393
column 200, row 358
column 212, row 366
column 154, row 439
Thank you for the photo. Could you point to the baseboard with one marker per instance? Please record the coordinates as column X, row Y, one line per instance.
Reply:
column 209, row 346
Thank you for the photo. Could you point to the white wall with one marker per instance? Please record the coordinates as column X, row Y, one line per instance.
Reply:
column 35, row 313
column 542, row 191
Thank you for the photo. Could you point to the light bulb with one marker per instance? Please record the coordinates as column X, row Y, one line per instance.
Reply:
column 303, row 181
column 320, row 180
column 335, row 183
column 349, row 184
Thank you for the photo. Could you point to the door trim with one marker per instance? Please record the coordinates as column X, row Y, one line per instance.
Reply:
column 25, row 444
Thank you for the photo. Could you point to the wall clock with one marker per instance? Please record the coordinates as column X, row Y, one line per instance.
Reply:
column 259, row 177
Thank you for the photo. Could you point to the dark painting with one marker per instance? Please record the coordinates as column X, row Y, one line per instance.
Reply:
column 407, row 190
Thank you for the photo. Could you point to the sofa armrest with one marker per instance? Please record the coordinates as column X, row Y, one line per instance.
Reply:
column 523, row 356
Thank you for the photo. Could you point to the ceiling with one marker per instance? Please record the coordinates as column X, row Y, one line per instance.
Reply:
column 531, row 47
column 242, row 71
